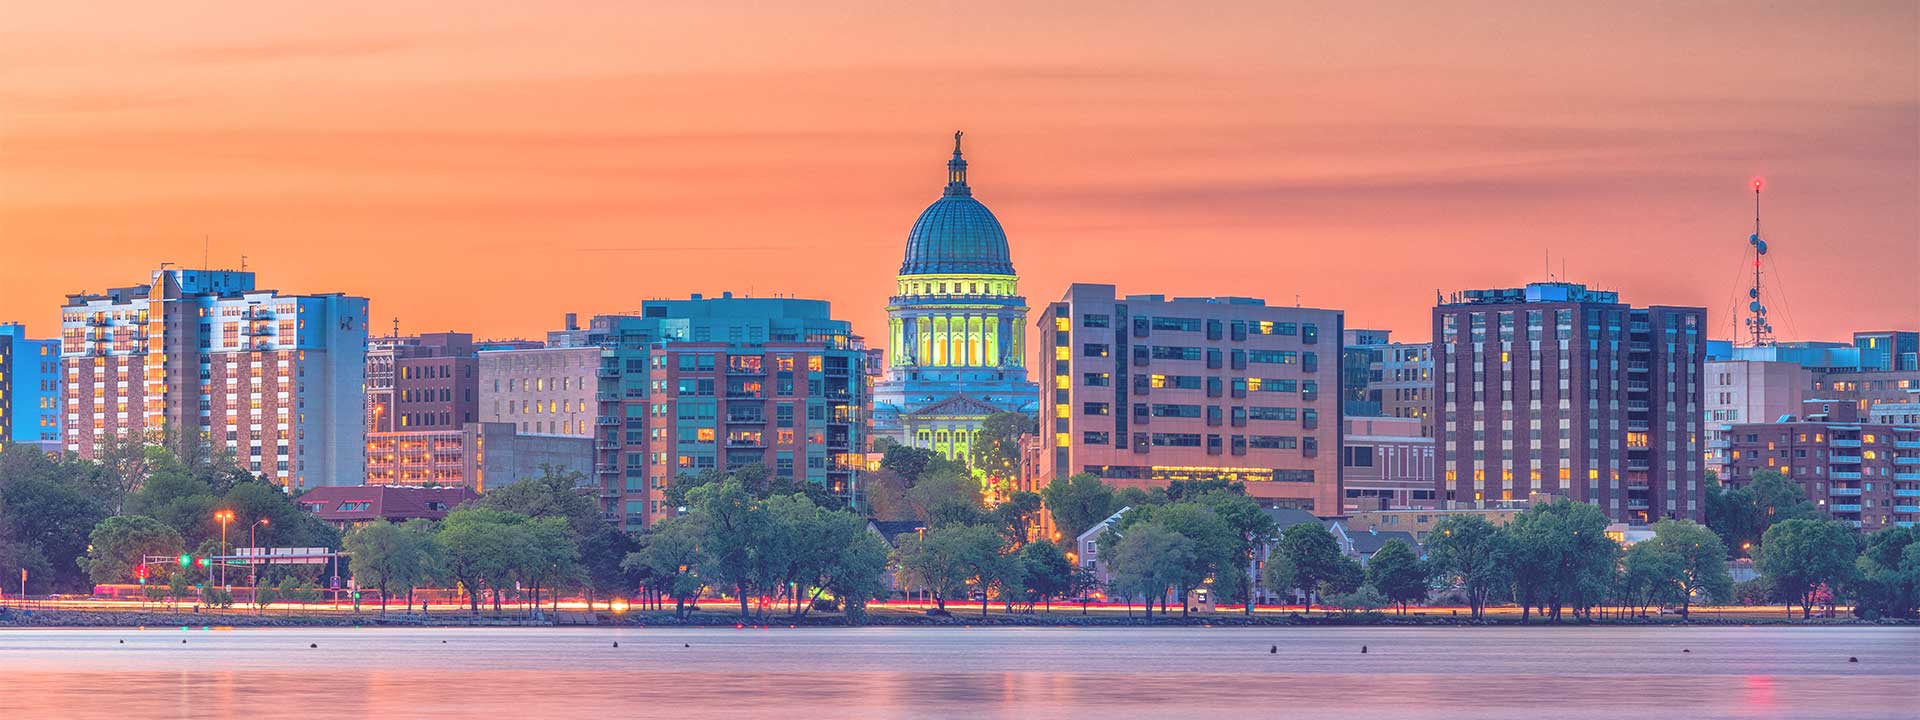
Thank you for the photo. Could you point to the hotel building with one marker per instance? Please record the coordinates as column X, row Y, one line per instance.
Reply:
column 1561, row 390
column 1143, row 390
column 276, row 379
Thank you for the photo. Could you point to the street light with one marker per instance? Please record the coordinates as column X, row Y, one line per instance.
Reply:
column 224, row 516
column 253, row 573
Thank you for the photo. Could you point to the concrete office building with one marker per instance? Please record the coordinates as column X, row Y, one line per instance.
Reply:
column 1558, row 389
column 1143, row 390
column 276, row 379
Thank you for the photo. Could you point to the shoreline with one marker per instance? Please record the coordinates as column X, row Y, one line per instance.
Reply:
column 103, row 619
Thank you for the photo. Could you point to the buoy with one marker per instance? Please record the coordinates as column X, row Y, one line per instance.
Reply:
column 313, row 645
column 183, row 641
column 1363, row 649
column 685, row 645
column 1275, row 650
column 1853, row 659
column 123, row 642
column 1685, row 650
column 443, row 642
column 616, row 643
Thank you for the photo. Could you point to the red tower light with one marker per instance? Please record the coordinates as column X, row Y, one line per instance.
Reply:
column 1757, row 182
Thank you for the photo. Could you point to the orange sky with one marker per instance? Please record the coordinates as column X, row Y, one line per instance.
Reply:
column 488, row 166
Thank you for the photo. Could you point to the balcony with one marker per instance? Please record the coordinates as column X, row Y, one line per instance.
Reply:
column 1840, row 508
column 1907, row 444
column 605, row 421
column 1906, row 476
column 747, row 418
column 1844, row 491
column 1844, row 459
column 607, row 372
column 1906, row 508
column 1843, row 475
column 99, row 321
column 258, row 329
column 1636, row 504
column 1907, row 460
column 607, row 444
column 259, row 313
column 1837, row 442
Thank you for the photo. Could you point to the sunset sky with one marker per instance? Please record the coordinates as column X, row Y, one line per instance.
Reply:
column 489, row 166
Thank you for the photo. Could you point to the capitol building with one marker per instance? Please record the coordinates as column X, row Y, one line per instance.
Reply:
column 956, row 328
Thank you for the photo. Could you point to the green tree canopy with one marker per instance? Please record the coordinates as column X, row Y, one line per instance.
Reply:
column 1313, row 555
column 1397, row 573
column 1802, row 556
column 1888, row 573
column 1470, row 552
column 1561, row 557
column 556, row 492
column 1702, row 568
column 119, row 544
column 1077, row 503
column 1146, row 561
column 997, row 453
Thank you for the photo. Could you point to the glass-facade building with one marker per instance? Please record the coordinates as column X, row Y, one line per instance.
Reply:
column 29, row 387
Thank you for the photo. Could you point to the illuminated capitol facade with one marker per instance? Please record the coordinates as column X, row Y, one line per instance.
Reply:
column 956, row 327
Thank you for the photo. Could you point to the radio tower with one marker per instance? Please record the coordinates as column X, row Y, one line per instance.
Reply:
column 1758, row 329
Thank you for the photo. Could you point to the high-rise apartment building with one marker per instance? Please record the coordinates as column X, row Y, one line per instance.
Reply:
column 1859, row 471
column 276, row 379
column 29, row 388
column 1558, row 389
column 1143, row 390
column 721, row 383
column 956, row 328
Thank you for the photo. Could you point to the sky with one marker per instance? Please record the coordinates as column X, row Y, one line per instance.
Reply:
column 489, row 166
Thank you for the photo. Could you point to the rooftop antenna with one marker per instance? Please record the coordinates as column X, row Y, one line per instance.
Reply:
column 1758, row 329
column 396, row 327
column 206, row 252
column 243, row 263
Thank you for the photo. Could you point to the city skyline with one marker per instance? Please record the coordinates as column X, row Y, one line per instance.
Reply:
column 1362, row 165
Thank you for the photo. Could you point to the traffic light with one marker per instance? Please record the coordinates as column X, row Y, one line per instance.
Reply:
column 186, row 560
column 201, row 561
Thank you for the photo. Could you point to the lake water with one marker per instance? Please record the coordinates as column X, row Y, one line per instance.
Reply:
column 1033, row 674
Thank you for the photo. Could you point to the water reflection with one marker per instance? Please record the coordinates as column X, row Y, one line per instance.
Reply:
column 924, row 673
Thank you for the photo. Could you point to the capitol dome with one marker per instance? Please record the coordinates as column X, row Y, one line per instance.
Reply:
column 957, row 234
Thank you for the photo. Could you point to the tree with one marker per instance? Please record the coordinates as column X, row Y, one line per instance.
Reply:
column 1278, row 573
column 1147, row 560
column 1741, row 516
column 481, row 546
column 1215, row 545
column 735, row 524
column 947, row 495
column 48, row 518
column 997, row 452
column 1888, row 573
column 118, row 545
column 1650, row 575
column 556, row 492
column 1397, row 573
column 549, row 559
column 1252, row 528
column 388, row 557
column 1364, row 597
column 1471, row 551
column 1560, row 557
column 857, row 570
column 602, row 556
column 670, row 553
column 1314, row 556
column 1045, row 572
column 1016, row 516
column 951, row 559
column 1078, row 503
column 1702, row 562
column 1801, row 557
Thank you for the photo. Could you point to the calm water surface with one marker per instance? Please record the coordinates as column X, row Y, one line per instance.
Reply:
column 1611, row 673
